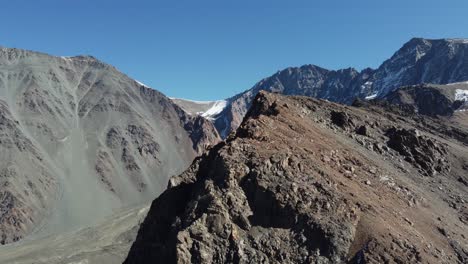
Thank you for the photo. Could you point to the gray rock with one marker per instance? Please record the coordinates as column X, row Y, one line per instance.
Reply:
column 76, row 132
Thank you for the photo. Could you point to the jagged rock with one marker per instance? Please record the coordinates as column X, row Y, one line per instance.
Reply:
column 422, row 151
column 340, row 119
column 362, row 130
column 202, row 132
column 277, row 191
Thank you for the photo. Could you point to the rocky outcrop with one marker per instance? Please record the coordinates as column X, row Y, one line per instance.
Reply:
column 297, row 183
column 426, row 153
column 202, row 133
column 341, row 119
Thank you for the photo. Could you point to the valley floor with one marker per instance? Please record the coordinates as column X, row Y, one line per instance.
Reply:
column 106, row 243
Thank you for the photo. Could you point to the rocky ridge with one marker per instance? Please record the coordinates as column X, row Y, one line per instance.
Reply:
column 308, row 181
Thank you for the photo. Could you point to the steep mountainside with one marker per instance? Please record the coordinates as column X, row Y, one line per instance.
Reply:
column 79, row 139
column 418, row 61
column 309, row 181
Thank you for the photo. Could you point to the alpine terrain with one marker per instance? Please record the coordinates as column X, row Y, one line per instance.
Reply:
column 310, row 165
column 304, row 180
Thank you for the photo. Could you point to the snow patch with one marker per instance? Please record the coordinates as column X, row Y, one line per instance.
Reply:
column 370, row 97
column 212, row 107
column 366, row 85
column 142, row 84
column 461, row 95
column 217, row 108
column 67, row 58
column 419, row 54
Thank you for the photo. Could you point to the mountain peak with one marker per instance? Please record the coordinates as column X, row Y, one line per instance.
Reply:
column 16, row 55
column 49, row 107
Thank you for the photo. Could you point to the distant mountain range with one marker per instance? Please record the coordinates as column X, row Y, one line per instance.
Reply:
column 440, row 61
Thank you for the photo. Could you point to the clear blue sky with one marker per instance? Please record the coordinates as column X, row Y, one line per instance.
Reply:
column 213, row 49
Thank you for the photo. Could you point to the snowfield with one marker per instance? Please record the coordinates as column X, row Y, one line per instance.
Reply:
column 370, row 97
column 217, row 108
column 461, row 95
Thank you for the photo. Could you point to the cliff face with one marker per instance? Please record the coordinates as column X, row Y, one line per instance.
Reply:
column 308, row 181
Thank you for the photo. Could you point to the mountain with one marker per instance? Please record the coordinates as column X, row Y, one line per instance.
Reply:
column 79, row 139
column 304, row 180
column 83, row 148
column 419, row 61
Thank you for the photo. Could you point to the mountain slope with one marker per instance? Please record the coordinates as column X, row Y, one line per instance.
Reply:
column 419, row 61
column 75, row 132
column 431, row 99
column 308, row 181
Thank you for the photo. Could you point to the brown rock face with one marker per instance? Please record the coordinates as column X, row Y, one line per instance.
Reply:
column 294, row 186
